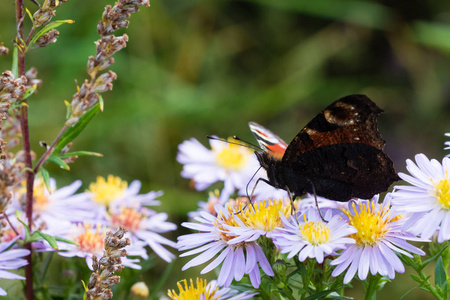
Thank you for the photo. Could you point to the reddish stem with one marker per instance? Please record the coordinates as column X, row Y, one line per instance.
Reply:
column 27, row 150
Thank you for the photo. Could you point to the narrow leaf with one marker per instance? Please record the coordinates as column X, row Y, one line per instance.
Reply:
column 46, row 29
column 72, row 132
column 25, row 226
column 69, row 109
column 46, row 177
column 60, row 239
column 59, row 162
column 29, row 14
column 432, row 258
column 30, row 91
column 439, row 273
column 50, row 239
column 79, row 153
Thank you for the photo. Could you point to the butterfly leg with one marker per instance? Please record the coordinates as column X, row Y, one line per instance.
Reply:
column 291, row 198
column 253, row 191
column 317, row 203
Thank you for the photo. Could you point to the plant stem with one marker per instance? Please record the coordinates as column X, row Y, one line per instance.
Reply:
column 27, row 150
column 372, row 288
column 49, row 150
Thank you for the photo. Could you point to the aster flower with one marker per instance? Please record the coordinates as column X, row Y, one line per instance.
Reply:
column 57, row 208
column 124, row 206
column 427, row 201
column 90, row 241
column 203, row 290
column 259, row 219
column 230, row 163
column 212, row 242
column 309, row 236
column 11, row 260
column 380, row 236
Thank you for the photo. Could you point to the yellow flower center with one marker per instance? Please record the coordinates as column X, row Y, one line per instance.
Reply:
column 265, row 215
column 371, row 222
column 128, row 218
column 90, row 241
column 104, row 192
column 442, row 192
column 40, row 198
column 232, row 156
column 191, row 292
column 222, row 220
column 315, row 232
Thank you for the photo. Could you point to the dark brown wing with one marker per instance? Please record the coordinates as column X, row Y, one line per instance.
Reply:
column 340, row 152
column 351, row 119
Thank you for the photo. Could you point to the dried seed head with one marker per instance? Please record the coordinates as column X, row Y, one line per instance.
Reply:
column 47, row 38
column 3, row 50
column 31, row 75
column 43, row 16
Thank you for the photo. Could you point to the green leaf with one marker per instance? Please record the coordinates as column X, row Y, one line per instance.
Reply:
column 60, row 239
column 25, row 226
column 50, row 239
column 59, row 162
column 46, row 29
column 30, row 91
column 79, row 153
column 72, row 132
column 440, row 277
column 46, row 177
column 29, row 14
column 416, row 278
column 15, row 62
column 69, row 109
column 432, row 258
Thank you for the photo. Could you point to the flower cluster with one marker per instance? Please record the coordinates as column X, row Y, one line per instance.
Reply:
column 356, row 238
column 84, row 218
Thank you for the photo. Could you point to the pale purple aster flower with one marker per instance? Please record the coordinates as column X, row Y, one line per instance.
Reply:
column 309, row 236
column 90, row 241
column 427, row 201
column 230, row 163
column 380, row 235
column 203, row 291
column 211, row 242
column 57, row 208
column 11, row 260
column 447, row 145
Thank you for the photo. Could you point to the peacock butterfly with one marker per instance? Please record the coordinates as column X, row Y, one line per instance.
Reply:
column 337, row 155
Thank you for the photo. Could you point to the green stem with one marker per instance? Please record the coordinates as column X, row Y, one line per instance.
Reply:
column 427, row 285
column 372, row 288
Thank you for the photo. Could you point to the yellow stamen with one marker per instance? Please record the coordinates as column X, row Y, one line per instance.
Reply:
column 442, row 192
column 190, row 292
column 232, row 156
column 40, row 197
column 90, row 241
column 233, row 210
column 265, row 215
column 371, row 222
column 128, row 218
column 104, row 192
column 315, row 232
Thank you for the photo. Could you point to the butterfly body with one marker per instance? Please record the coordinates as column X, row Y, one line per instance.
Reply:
column 338, row 155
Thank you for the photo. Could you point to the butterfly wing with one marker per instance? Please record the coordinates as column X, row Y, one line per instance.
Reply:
column 341, row 152
column 269, row 142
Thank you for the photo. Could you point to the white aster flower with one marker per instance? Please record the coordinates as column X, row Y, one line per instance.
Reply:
column 233, row 164
column 11, row 260
column 380, row 235
column 427, row 201
column 211, row 242
column 206, row 291
column 447, row 144
column 259, row 219
column 309, row 236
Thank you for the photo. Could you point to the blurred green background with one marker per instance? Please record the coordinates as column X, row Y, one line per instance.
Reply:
column 199, row 67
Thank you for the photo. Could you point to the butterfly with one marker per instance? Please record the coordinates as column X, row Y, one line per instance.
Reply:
column 337, row 155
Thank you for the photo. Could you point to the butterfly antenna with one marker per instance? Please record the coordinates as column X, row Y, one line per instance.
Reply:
column 248, row 184
column 244, row 144
column 317, row 203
